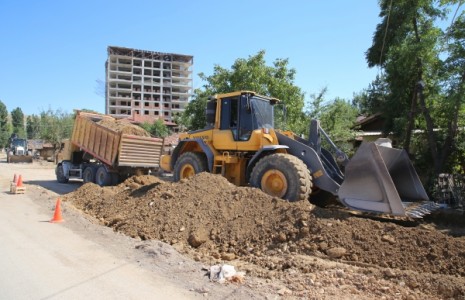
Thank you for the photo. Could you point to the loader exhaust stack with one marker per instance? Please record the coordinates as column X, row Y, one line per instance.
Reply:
column 382, row 179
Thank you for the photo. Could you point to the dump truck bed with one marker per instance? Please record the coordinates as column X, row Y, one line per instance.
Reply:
column 112, row 147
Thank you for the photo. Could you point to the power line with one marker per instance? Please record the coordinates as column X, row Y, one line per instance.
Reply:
column 385, row 34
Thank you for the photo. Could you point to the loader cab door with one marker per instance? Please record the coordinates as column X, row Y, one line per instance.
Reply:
column 236, row 117
column 234, row 124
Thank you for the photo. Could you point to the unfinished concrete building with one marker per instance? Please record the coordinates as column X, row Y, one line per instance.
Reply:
column 146, row 85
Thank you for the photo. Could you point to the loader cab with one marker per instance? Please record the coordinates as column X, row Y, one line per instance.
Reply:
column 243, row 113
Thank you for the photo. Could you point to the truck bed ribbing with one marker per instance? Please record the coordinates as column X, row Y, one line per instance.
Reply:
column 115, row 148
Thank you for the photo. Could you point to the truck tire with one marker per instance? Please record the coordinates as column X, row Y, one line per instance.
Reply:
column 282, row 175
column 189, row 164
column 88, row 175
column 60, row 172
column 102, row 176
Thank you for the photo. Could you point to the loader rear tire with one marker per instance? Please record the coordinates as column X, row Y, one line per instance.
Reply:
column 189, row 164
column 102, row 176
column 282, row 175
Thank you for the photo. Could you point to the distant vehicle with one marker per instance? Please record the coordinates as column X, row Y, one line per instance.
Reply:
column 17, row 151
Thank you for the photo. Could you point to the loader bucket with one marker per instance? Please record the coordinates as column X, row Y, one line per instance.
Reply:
column 381, row 179
column 19, row 159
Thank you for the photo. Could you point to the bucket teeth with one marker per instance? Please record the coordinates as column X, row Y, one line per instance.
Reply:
column 418, row 211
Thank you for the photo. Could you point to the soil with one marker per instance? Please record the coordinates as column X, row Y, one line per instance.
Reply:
column 123, row 126
column 292, row 249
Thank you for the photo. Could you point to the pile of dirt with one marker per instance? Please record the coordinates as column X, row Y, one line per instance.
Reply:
column 123, row 126
column 212, row 220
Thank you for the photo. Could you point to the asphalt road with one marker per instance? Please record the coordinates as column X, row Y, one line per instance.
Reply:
column 43, row 260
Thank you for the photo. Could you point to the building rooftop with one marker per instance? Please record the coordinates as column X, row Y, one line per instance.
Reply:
column 114, row 50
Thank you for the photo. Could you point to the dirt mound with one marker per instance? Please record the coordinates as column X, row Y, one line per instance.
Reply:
column 213, row 220
column 123, row 126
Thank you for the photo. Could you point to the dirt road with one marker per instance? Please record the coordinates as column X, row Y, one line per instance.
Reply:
column 78, row 259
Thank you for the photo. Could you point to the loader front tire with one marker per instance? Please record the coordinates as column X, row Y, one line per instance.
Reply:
column 282, row 175
column 189, row 164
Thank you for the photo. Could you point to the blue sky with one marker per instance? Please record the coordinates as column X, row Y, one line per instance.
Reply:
column 53, row 52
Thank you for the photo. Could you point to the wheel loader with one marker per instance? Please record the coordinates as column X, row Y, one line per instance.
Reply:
column 241, row 143
column 18, row 150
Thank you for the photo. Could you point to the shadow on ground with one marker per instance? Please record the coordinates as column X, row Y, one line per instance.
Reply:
column 54, row 186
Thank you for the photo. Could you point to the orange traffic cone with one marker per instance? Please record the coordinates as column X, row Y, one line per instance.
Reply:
column 57, row 216
column 15, row 178
column 19, row 183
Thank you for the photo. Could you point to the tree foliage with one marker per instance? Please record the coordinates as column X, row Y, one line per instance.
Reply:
column 336, row 116
column 423, row 82
column 17, row 122
column 33, row 127
column 251, row 74
column 56, row 125
column 4, row 126
column 157, row 128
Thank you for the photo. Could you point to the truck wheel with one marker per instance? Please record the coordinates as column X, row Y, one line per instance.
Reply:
column 102, row 177
column 60, row 172
column 189, row 164
column 282, row 175
column 88, row 175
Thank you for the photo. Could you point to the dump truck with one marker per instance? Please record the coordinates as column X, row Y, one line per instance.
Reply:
column 17, row 150
column 103, row 153
column 241, row 143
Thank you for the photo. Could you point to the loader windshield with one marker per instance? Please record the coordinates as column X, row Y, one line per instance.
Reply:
column 18, row 143
column 262, row 113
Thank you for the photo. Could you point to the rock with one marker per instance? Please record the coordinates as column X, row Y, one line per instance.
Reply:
column 340, row 273
column 389, row 239
column 323, row 246
column 281, row 237
column 389, row 273
column 228, row 256
column 284, row 291
column 304, row 231
column 167, row 195
column 197, row 238
column 336, row 252
column 134, row 186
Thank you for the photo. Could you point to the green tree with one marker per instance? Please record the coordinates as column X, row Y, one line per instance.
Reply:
column 4, row 126
column 423, row 68
column 33, row 127
column 194, row 115
column 254, row 75
column 17, row 122
column 56, row 126
column 336, row 117
column 157, row 128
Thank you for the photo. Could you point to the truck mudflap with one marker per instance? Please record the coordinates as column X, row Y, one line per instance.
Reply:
column 382, row 179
